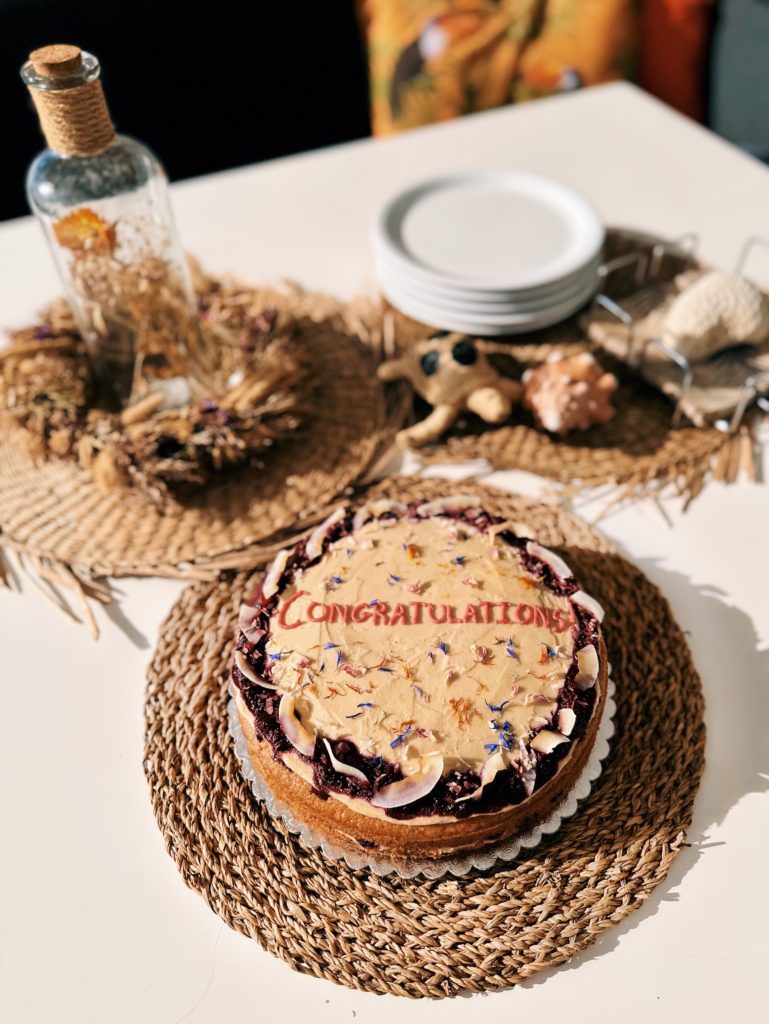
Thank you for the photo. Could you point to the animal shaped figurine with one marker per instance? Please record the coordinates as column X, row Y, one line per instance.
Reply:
column 454, row 375
column 569, row 392
column 714, row 311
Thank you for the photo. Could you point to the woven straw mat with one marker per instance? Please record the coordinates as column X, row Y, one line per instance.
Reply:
column 53, row 510
column 637, row 453
column 421, row 937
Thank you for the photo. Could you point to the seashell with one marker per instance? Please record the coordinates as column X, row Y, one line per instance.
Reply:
column 558, row 566
column 569, row 393
column 296, row 734
column 413, row 787
column 342, row 768
column 719, row 310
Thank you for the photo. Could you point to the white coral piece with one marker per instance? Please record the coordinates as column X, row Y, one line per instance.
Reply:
column 717, row 311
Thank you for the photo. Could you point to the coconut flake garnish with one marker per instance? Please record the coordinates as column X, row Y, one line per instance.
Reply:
column 314, row 544
column 490, row 770
column 587, row 667
column 247, row 624
column 588, row 603
column 557, row 564
column 528, row 778
column 546, row 741
column 372, row 509
column 454, row 503
column 566, row 721
column 276, row 570
column 413, row 787
column 342, row 768
column 296, row 734
column 242, row 665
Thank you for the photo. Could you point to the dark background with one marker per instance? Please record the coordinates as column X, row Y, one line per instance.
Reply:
column 205, row 86
column 216, row 84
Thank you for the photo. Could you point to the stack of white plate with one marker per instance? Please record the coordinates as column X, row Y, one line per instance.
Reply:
column 488, row 252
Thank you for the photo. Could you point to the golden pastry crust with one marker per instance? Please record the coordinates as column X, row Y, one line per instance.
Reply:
column 403, row 841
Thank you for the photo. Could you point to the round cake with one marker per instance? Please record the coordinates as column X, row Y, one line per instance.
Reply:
column 419, row 681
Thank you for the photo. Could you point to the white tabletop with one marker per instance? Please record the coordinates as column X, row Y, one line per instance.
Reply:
column 95, row 923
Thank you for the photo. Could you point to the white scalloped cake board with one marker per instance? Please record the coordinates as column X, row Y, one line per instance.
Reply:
column 481, row 860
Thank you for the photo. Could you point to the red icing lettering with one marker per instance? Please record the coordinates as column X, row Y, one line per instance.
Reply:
column 381, row 613
column 283, row 611
column 321, row 608
column 561, row 620
column 416, row 607
column 400, row 615
column 540, row 616
column 412, row 613
column 488, row 611
column 361, row 612
column 433, row 618
column 340, row 611
column 524, row 614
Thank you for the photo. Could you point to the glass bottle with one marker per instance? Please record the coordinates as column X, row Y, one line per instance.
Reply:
column 102, row 200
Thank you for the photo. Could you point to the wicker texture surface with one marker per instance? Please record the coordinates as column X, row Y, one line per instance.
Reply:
column 53, row 509
column 638, row 453
column 420, row 937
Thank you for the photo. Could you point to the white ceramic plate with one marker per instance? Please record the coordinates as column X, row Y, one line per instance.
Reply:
column 489, row 230
column 524, row 297
column 489, row 324
column 457, row 303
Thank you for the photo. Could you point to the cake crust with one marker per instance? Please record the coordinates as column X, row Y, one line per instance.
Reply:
column 401, row 841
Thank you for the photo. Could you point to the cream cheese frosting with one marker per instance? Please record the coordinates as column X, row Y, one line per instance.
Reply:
column 421, row 638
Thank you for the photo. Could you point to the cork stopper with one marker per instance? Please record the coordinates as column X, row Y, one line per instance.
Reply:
column 63, row 81
column 57, row 61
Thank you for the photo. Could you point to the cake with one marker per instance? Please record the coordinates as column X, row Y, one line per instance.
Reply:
column 419, row 681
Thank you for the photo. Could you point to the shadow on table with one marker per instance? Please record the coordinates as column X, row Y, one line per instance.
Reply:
column 735, row 680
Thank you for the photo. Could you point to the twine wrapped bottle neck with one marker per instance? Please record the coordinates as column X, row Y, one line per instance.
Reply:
column 69, row 100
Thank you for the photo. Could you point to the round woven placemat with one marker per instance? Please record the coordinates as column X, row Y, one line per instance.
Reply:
column 420, row 937
column 54, row 511
column 639, row 452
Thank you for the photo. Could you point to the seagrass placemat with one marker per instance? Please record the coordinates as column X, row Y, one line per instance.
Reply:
column 638, row 453
column 54, row 512
column 420, row 937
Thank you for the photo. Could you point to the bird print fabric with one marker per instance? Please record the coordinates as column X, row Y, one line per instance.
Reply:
column 433, row 60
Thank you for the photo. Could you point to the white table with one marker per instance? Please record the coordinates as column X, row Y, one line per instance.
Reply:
column 95, row 923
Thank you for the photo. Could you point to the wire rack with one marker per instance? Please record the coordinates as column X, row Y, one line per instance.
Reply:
column 645, row 267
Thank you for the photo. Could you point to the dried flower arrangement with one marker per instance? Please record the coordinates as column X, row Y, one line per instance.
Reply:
column 237, row 393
